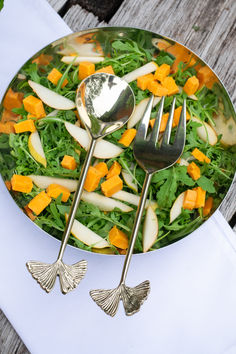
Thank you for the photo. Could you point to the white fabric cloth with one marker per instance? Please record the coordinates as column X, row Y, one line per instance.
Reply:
column 192, row 305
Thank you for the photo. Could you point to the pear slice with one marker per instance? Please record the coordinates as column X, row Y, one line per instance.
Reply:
column 104, row 203
column 132, row 199
column 87, row 236
column 143, row 70
column 69, row 59
column 176, row 209
column 183, row 162
column 103, row 149
column 36, row 149
column 51, row 98
column 129, row 181
column 205, row 132
column 139, row 110
column 226, row 127
column 44, row 181
column 150, row 229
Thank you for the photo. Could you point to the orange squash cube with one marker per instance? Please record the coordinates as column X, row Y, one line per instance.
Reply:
column 7, row 128
column 194, row 171
column 157, row 89
column 169, row 83
column 34, row 106
column 54, row 190
column 102, row 168
column 69, row 162
column 177, row 114
column 25, row 126
column 114, row 170
column 112, row 185
column 200, row 156
column 118, row 238
column 106, row 69
column 85, row 69
column 92, row 179
column 191, row 85
column 208, row 206
column 143, row 81
column 127, row 137
column 9, row 116
column 43, row 59
column 190, row 198
column 39, row 203
column 22, row 184
column 161, row 72
column 54, row 76
column 201, row 196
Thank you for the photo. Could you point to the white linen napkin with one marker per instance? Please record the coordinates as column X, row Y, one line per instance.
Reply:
column 192, row 305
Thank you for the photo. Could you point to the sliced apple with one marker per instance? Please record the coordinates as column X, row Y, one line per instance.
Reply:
column 176, row 209
column 69, row 59
column 87, row 236
column 143, row 70
column 205, row 132
column 51, row 98
column 103, row 149
column 104, row 203
column 36, row 148
column 150, row 229
column 132, row 199
column 129, row 180
column 44, row 181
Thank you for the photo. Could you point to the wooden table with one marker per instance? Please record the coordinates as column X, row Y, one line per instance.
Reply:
column 205, row 26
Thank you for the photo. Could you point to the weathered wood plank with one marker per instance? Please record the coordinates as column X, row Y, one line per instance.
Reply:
column 57, row 4
column 213, row 40
column 78, row 18
column 103, row 9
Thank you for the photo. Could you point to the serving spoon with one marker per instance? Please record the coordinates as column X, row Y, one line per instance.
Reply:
column 104, row 103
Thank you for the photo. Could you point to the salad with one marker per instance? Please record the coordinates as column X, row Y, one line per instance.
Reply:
column 43, row 142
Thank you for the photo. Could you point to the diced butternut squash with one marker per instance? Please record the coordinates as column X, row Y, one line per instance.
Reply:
column 191, row 85
column 177, row 114
column 170, row 84
column 34, row 106
column 201, row 196
column 143, row 81
column 161, row 72
column 25, row 126
column 190, row 198
column 114, row 170
column 200, row 156
column 22, row 184
column 181, row 55
column 157, row 89
column 106, row 69
column 208, row 206
column 102, row 168
column 111, row 186
column 12, row 99
column 164, row 120
column 69, row 162
column 85, row 69
column 8, row 185
column 54, row 76
column 118, row 238
column 30, row 116
column 92, row 179
column 7, row 127
column 29, row 213
column 127, row 137
column 9, row 116
column 54, row 190
column 179, row 159
column 43, row 59
column 194, row 171
column 39, row 203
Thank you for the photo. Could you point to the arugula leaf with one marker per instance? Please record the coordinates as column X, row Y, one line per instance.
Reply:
column 206, row 184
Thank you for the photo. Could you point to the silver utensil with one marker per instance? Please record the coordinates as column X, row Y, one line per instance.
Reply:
column 104, row 102
column 152, row 159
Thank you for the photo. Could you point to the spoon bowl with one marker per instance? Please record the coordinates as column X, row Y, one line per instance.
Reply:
column 104, row 103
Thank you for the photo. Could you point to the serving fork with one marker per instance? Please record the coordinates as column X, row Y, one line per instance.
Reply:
column 151, row 158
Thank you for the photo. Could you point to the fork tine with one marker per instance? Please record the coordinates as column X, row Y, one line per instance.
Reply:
column 167, row 132
column 156, row 128
column 181, row 129
column 143, row 127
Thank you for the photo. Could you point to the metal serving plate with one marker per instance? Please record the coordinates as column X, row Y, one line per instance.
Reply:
column 81, row 42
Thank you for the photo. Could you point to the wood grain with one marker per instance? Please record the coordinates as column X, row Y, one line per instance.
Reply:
column 212, row 39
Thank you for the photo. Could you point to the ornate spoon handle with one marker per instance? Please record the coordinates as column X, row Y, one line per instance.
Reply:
column 132, row 298
column 69, row 275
